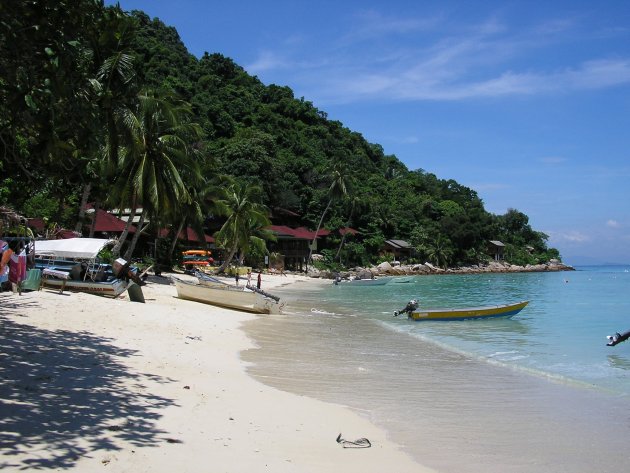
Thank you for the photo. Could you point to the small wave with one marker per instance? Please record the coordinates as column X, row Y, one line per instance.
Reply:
column 502, row 353
column 323, row 312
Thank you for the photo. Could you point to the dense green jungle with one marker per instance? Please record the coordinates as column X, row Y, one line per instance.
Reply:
column 104, row 106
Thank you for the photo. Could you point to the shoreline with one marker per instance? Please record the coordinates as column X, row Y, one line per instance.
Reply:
column 427, row 269
column 449, row 409
column 91, row 382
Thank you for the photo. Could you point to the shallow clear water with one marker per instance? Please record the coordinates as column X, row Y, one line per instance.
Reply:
column 562, row 332
column 538, row 392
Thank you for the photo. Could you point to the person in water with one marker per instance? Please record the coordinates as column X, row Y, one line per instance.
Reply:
column 409, row 308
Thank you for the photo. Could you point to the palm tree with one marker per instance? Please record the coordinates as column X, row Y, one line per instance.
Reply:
column 111, row 91
column 353, row 204
column 440, row 251
column 158, row 136
column 337, row 189
column 193, row 214
column 112, row 87
column 246, row 217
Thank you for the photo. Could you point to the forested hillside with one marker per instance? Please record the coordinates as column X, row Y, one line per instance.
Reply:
column 69, row 73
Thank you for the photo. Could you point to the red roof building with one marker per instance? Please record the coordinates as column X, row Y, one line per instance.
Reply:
column 188, row 235
column 108, row 223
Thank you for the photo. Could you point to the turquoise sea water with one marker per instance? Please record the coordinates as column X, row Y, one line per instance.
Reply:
column 561, row 333
column 539, row 392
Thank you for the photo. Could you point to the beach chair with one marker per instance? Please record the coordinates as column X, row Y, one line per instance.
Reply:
column 33, row 280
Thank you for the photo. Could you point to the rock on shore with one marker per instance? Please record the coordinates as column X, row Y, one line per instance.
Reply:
column 387, row 269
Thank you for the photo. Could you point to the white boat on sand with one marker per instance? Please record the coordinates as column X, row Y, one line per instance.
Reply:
column 215, row 292
column 72, row 264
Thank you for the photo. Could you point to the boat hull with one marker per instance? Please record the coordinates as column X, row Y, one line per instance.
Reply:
column 507, row 310
column 109, row 289
column 367, row 282
column 224, row 295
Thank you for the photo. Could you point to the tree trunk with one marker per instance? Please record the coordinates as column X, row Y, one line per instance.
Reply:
column 310, row 250
column 84, row 198
column 97, row 206
column 228, row 259
column 123, row 235
column 343, row 239
column 176, row 237
column 136, row 235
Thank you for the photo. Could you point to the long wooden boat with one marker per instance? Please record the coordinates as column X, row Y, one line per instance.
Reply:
column 226, row 295
column 506, row 310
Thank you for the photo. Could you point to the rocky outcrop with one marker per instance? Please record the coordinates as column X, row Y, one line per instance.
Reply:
column 386, row 269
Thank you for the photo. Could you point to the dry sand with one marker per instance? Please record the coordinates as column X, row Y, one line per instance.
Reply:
column 94, row 384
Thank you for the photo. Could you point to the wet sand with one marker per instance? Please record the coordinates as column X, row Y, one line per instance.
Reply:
column 451, row 412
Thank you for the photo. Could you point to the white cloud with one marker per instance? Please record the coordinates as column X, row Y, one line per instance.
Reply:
column 572, row 236
column 613, row 224
column 431, row 80
column 472, row 63
column 266, row 61
column 373, row 24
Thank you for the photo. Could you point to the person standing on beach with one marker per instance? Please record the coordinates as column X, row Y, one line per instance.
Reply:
column 259, row 283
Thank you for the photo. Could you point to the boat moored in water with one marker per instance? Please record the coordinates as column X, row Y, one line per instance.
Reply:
column 377, row 281
column 506, row 310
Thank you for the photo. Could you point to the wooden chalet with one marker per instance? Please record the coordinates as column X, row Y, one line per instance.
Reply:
column 496, row 250
column 396, row 249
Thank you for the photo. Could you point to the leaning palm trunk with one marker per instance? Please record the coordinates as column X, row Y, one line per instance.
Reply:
column 125, row 232
column 310, row 251
column 97, row 206
column 176, row 237
column 84, row 198
column 228, row 259
column 343, row 239
column 136, row 235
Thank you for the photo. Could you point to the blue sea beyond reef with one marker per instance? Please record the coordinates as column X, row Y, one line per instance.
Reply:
column 538, row 392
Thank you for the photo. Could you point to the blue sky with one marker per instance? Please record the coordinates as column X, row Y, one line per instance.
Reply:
column 526, row 102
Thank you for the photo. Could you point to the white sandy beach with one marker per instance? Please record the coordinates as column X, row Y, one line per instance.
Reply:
column 94, row 384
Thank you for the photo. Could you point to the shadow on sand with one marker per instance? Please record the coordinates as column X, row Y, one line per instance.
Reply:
column 63, row 396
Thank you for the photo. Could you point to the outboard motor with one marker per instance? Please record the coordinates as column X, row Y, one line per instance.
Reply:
column 121, row 269
column 617, row 338
column 409, row 308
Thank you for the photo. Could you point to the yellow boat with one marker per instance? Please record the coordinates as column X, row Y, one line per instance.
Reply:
column 507, row 310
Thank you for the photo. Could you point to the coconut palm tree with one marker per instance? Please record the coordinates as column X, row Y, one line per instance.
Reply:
column 440, row 251
column 111, row 90
column 193, row 214
column 246, row 218
column 336, row 190
column 157, row 136
column 353, row 204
